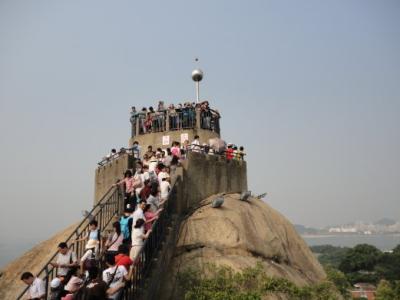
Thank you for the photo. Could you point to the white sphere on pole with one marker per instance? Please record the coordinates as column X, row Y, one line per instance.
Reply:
column 197, row 75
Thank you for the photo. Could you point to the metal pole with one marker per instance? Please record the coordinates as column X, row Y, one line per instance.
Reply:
column 198, row 91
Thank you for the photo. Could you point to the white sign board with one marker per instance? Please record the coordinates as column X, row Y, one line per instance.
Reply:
column 165, row 140
column 184, row 137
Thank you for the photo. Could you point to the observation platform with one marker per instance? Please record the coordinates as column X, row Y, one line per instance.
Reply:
column 160, row 128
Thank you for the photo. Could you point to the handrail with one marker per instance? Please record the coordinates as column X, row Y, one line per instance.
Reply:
column 144, row 258
column 202, row 150
column 104, row 211
column 103, row 214
column 175, row 119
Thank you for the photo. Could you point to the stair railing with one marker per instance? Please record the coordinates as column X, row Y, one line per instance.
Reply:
column 148, row 253
column 108, row 207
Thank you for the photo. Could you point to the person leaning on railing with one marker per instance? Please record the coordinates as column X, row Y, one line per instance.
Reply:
column 130, row 183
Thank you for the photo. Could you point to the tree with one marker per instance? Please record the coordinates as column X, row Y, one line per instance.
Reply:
column 396, row 250
column 385, row 291
column 339, row 280
column 362, row 257
column 388, row 266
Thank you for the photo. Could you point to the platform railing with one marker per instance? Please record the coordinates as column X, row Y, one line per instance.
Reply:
column 109, row 206
column 177, row 119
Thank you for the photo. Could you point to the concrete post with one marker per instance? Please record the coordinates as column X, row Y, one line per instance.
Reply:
column 167, row 121
column 137, row 126
column 198, row 125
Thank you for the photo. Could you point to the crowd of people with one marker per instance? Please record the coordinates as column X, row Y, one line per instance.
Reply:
column 182, row 116
column 146, row 191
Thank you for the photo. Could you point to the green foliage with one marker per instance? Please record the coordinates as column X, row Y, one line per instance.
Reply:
column 339, row 279
column 388, row 266
column 330, row 255
column 363, row 263
column 396, row 250
column 396, row 289
column 385, row 291
column 362, row 257
column 251, row 284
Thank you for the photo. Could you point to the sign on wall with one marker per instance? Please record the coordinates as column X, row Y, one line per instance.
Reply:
column 165, row 140
column 184, row 137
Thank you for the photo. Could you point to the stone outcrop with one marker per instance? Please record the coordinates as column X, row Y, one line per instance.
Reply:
column 238, row 235
column 32, row 261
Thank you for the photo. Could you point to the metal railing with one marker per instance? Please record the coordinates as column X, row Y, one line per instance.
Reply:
column 182, row 119
column 109, row 206
column 176, row 119
column 224, row 154
column 148, row 253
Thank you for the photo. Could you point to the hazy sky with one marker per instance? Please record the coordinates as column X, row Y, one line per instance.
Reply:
column 310, row 88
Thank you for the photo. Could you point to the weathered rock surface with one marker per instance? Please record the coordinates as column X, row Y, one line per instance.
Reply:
column 32, row 261
column 238, row 235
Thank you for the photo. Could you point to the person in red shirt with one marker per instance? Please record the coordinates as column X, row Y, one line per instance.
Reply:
column 229, row 152
column 122, row 258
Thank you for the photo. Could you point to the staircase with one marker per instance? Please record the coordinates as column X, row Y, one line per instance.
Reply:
column 155, row 254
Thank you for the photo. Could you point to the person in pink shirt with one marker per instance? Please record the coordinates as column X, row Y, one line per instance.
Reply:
column 130, row 184
column 175, row 150
column 150, row 217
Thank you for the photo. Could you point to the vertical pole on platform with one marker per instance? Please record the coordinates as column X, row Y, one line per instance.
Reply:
column 198, row 91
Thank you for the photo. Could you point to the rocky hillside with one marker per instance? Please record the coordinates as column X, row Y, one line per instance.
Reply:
column 238, row 235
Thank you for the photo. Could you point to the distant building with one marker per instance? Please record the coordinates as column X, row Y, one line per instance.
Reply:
column 363, row 291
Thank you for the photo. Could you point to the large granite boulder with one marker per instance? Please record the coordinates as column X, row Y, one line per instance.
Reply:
column 239, row 235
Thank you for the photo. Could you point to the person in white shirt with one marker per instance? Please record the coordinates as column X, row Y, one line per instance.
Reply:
column 139, row 178
column 114, row 276
column 138, row 213
column 138, row 237
column 153, row 164
column 37, row 287
column 154, row 201
column 146, row 174
column 167, row 159
column 66, row 260
column 165, row 187
column 195, row 146
column 163, row 174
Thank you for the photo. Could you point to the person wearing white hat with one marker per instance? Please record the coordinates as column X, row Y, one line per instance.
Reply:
column 90, row 255
column 56, row 289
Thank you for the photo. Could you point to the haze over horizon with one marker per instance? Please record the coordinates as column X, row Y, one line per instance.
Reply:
column 310, row 89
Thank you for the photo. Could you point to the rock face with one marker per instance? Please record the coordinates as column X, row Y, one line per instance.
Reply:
column 238, row 235
column 32, row 261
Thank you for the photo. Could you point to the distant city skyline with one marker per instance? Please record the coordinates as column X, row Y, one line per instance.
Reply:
column 310, row 89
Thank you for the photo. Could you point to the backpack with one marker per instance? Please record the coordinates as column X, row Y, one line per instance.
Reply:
column 91, row 261
column 124, row 222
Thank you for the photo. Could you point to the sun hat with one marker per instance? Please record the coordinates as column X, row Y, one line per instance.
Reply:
column 91, row 244
column 55, row 283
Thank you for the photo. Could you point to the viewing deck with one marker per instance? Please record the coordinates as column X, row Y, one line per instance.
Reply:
column 159, row 128
column 177, row 119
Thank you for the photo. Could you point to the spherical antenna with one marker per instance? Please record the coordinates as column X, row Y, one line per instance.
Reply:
column 197, row 75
